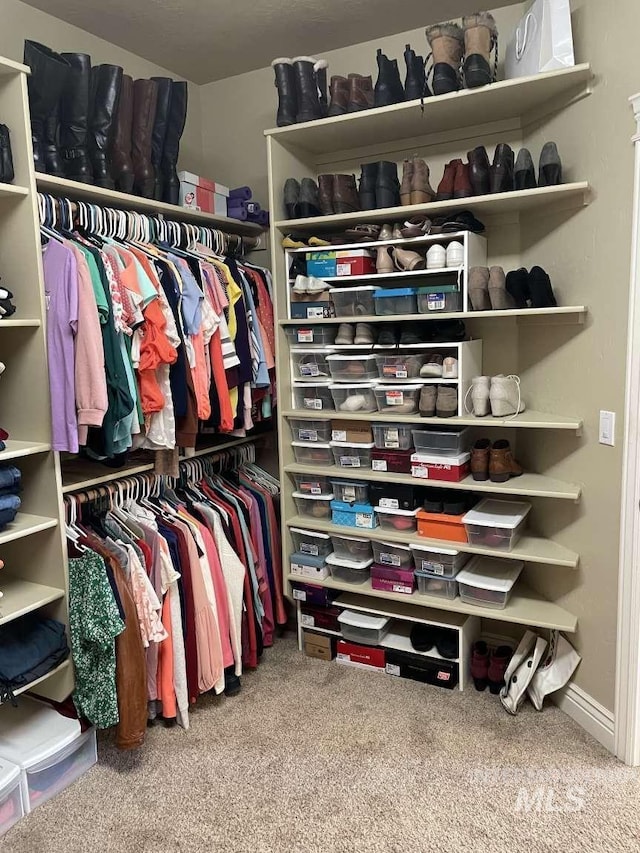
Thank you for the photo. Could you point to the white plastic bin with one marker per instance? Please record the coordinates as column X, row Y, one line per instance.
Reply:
column 363, row 627
column 313, row 506
column 312, row 396
column 496, row 524
column 349, row 571
column 309, row 364
column 311, row 542
column 398, row 399
column 398, row 520
column 312, row 453
column 311, row 335
column 443, row 562
column 451, row 442
column 400, row 365
column 392, row 436
column 354, row 301
column 356, row 397
column 352, row 368
column 11, row 805
column 351, row 548
column 309, row 429
column 390, row 554
column 488, row 581
column 350, row 491
column 310, row 484
column 436, row 585
column 346, row 454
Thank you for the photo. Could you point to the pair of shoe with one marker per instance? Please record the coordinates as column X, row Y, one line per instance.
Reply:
column 302, row 89
column 499, row 395
column 493, row 462
column 456, row 182
column 468, row 48
column 549, row 168
column 350, row 94
column 363, row 334
column 309, row 284
column 338, row 194
column 504, row 175
column 301, row 199
column 7, row 308
column 389, row 89
column 489, row 666
column 446, row 502
column 425, row 637
column 389, row 259
column 530, row 289
column 439, row 257
column 438, row 401
column 290, row 242
column 437, row 366
column 488, row 289
column 415, row 187
column 379, row 185
column 433, row 332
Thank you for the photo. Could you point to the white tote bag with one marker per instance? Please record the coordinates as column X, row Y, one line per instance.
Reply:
column 542, row 41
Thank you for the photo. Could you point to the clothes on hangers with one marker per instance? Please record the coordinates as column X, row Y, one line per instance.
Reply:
column 173, row 591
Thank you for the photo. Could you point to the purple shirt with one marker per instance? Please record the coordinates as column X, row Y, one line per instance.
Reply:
column 61, row 294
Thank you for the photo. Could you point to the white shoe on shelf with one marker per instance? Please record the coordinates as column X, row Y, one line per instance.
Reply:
column 450, row 368
column 300, row 285
column 455, row 254
column 436, row 257
column 505, row 396
column 479, row 393
column 316, row 285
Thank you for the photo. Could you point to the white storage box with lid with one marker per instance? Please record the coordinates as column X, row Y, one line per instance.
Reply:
column 309, row 364
column 451, row 441
column 310, row 429
column 488, row 581
column 311, row 542
column 436, row 585
column 392, row 436
column 354, row 301
column 352, row 368
column 398, row 520
column 390, row 554
column 349, row 571
column 350, row 491
column 362, row 627
column 402, row 365
column 348, row 454
column 496, row 524
column 312, row 335
column 51, row 750
column 351, row 547
column 313, row 396
column 444, row 562
column 313, row 506
column 11, row 805
column 312, row 452
column 398, row 399
column 356, row 397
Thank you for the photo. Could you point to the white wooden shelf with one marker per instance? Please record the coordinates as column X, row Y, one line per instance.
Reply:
column 12, row 323
column 374, row 244
column 519, row 201
column 399, row 640
column 24, row 525
column 531, row 485
column 17, row 449
column 13, row 191
column 59, row 670
column 570, row 311
column 527, row 420
column 522, row 98
column 336, row 280
column 111, row 198
column 531, row 549
column 20, row 597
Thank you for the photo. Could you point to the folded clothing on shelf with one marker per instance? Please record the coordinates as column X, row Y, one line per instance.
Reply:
column 10, row 479
column 29, row 648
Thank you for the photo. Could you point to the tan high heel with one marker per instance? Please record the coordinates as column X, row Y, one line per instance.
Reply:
column 406, row 260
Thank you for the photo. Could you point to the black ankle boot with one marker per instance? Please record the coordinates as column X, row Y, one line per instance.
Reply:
column 367, row 190
column 309, row 199
column 387, row 185
column 74, row 119
column 415, row 84
column 49, row 71
column 540, row 289
column 308, row 98
column 517, row 284
column 292, row 198
column 502, row 169
column 550, row 171
column 286, row 85
column 388, row 89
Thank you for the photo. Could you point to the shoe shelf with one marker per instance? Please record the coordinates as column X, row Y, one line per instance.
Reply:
column 527, row 485
column 396, row 277
column 20, row 596
column 15, row 449
column 531, row 549
column 12, row 191
column 524, row 99
column 518, row 201
column 25, row 525
column 575, row 312
column 529, row 419
column 20, row 324
column 61, row 673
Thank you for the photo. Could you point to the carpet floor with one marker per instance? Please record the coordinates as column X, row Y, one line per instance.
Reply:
column 314, row 757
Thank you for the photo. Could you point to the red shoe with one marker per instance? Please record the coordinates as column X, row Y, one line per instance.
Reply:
column 480, row 665
column 462, row 182
column 497, row 668
column 446, row 185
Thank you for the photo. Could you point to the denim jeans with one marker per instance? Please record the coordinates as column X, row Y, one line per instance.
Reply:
column 9, row 506
column 9, row 477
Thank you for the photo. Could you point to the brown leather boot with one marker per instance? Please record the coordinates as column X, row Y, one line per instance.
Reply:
column 145, row 95
column 462, row 181
column 360, row 93
column 339, row 96
column 407, row 179
column 445, row 187
column 121, row 162
column 421, row 190
column 480, row 459
column 345, row 194
column 502, row 465
column 325, row 189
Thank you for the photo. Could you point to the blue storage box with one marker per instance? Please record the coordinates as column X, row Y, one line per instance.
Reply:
column 321, row 264
column 396, row 300
column 353, row 515
column 308, row 567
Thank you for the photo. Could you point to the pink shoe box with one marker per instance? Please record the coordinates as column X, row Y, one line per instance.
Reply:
column 392, row 580
column 451, row 469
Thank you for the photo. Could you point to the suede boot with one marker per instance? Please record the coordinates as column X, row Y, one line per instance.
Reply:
column 479, row 170
column 415, row 84
column 446, row 402
column 326, row 194
column 447, row 47
column 161, row 118
column 45, row 84
column 502, row 465
column 388, row 89
column 287, row 97
column 360, row 95
column 145, row 95
column 345, row 194
column 550, row 170
column 387, row 185
column 175, row 129
column 517, row 284
column 501, row 299
column 368, row 180
column 309, row 204
column 74, row 119
column 479, row 393
column 421, row 190
column 320, row 73
column 480, row 38
column 445, row 187
column 308, row 99
column 121, row 157
column 462, row 181
column 339, row 94
column 292, row 198
column 479, row 289
column 480, row 460
column 502, row 169
column 427, row 404
column 505, row 396
column 105, row 91
column 407, row 180
column 524, row 174
column 540, row 290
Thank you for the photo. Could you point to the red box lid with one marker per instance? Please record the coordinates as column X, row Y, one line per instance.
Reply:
column 362, row 654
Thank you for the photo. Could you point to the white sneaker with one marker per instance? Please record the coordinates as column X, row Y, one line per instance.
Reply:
column 455, row 254
column 436, row 257
column 521, row 670
column 559, row 666
column 300, row 285
column 479, row 393
column 505, row 396
column 450, row 368
column 316, row 285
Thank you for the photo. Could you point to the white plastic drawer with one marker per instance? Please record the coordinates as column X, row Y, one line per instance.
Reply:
column 54, row 774
column 11, row 806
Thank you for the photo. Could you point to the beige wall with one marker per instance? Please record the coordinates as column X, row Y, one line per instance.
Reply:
column 20, row 21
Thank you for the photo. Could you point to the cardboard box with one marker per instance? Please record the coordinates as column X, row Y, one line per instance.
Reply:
column 199, row 193
column 355, row 262
column 319, row 646
column 365, row 657
column 359, row 433
column 321, row 264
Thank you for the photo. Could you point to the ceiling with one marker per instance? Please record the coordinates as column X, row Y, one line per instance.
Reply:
column 205, row 40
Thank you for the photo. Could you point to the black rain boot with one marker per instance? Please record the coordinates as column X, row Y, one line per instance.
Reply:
column 74, row 119
column 105, row 91
column 524, row 176
column 285, row 83
column 320, row 70
column 387, row 185
column 49, row 72
column 309, row 108
column 163, row 106
column 388, row 89
column 367, row 190
column 175, row 129
column 415, row 84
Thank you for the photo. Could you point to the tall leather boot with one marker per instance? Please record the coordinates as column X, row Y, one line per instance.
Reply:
column 74, row 119
column 285, row 83
column 175, row 129
column 48, row 76
column 415, row 84
column 145, row 94
column 368, row 179
column 105, row 91
column 320, row 72
column 326, row 194
column 388, row 89
column 121, row 160
column 53, row 163
column 447, row 46
column 345, row 194
column 163, row 105
column 309, row 108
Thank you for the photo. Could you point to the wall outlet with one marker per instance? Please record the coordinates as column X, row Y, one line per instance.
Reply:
column 607, row 428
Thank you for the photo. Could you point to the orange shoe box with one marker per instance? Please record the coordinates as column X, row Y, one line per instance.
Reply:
column 437, row 525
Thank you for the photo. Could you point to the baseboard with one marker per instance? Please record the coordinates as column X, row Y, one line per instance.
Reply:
column 591, row 715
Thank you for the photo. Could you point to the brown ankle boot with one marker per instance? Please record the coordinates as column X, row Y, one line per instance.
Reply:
column 480, row 459
column 462, row 181
column 502, row 465
column 447, row 47
column 339, row 96
column 445, row 187
column 360, row 93
column 145, row 95
column 421, row 190
column 121, row 162
column 345, row 194
column 407, row 180
column 326, row 192
column 480, row 38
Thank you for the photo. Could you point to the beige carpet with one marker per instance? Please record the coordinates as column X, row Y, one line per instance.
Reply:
column 314, row 757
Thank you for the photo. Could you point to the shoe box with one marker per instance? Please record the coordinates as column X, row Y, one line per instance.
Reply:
column 393, row 496
column 391, row 461
column 431, row 466
column 392, row 580
column 317, row 309
column 439, row 525
column 318, row 596
column 441, row 673
column 320, row 617
column 344, row 262
column 361, row 516
column 353, row 431
column 319, row 646
column 308, row 566
column 199, row 193
column 364, row 657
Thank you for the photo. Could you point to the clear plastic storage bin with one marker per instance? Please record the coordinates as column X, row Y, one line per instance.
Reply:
column 452, row 442
column 348, row 455
column 442, row 562
column 398, row 520
column 436, row 585
column 356, row 398
column 312, row 453
column 309, row 364
column 312, row 485
column 11, row 806
column 352, row 368
column 401, row 365
column 350, row 491
column 496, row 524
column 488, row 582
column 363, row 627
column 354, row 301
column 398, row 399
column 392, row 437
column 313, row 396
column 390, row 554
column 351, row 548
column 313, row 506
column 308, row 429
column 311, row 335
column 349, row 571
column 439, row 298
column 395, row 300
column 311, row 542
